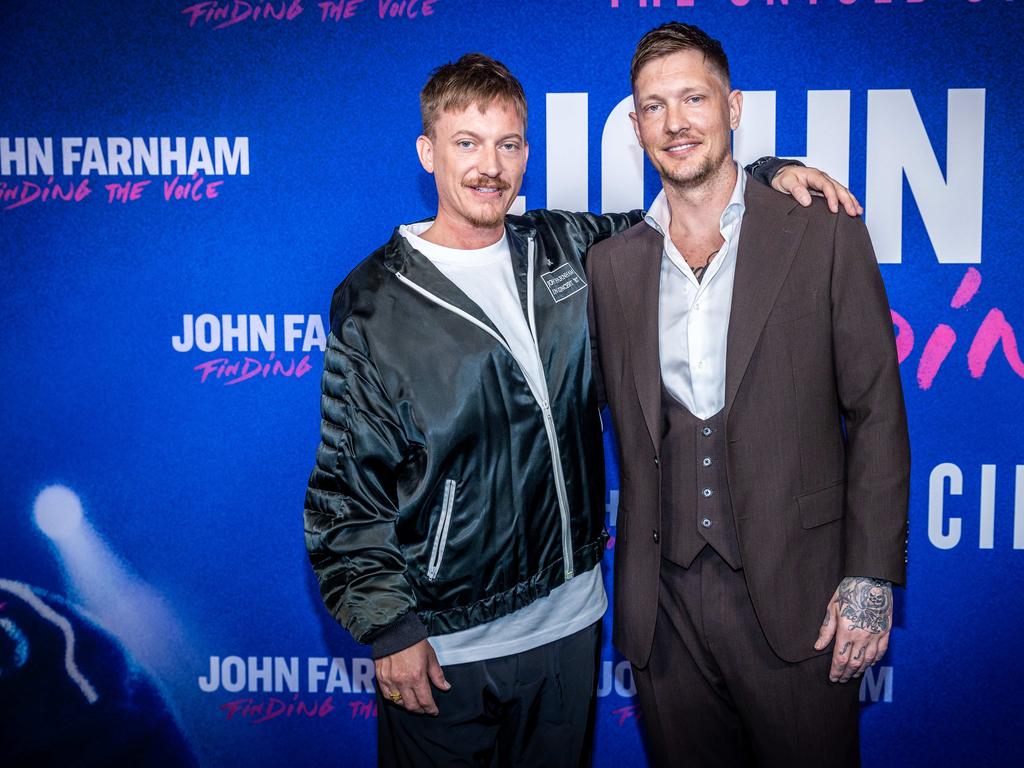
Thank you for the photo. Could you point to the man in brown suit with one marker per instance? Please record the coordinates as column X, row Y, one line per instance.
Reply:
column 745, row 347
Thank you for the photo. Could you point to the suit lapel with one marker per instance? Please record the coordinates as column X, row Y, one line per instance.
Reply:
column 637, row 271
column 768, row 243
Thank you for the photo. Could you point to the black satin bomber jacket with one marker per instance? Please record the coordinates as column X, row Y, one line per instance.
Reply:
column 448, row 489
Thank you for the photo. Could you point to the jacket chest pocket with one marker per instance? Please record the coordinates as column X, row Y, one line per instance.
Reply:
column 441, row 535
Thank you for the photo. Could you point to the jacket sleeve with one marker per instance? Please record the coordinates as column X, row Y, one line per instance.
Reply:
column 592, row 326
column 586, row 229
column 871, row 399
column 764, row 168
column 351, row 501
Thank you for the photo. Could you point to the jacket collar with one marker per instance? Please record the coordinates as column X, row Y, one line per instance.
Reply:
column 399, row 256
column 402, row 259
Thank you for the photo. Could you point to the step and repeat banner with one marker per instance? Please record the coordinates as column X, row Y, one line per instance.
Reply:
column 182, row 184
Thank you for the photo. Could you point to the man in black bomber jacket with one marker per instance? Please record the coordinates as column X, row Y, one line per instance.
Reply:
column 455, row 514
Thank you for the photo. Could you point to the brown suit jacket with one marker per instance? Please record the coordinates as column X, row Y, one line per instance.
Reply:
column 818, row 456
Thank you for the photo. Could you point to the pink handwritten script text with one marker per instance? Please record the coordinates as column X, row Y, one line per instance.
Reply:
column 196, row 188
column 994, row 330
column 235, row 372
column 25, row 192
column 227, row 14
column 261, row 711
column 630, row 711
column 222, row 14
column 336, row 11
column 129, row 191
column 365, row 710
column 408, row 9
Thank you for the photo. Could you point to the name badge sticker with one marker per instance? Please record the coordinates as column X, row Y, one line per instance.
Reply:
column 563, row 282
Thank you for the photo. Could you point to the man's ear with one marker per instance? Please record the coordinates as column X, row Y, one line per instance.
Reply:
column 735, row 109
column 425, row 151
column 636, row 126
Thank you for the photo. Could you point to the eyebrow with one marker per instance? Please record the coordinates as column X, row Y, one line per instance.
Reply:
column 477, row 136
column 687, row 91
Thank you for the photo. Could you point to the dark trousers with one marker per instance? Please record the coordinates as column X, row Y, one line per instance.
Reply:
column 532, row 709
column 714, row 693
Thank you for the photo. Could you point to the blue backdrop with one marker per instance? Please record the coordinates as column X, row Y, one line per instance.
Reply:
column 165, row 302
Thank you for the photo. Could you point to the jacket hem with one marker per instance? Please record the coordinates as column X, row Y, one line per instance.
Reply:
column 520, row 596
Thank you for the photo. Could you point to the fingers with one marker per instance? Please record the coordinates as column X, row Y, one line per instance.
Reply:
column 410, row 695
column 801, row 183
column 837, row 195
column 795, row 186
column 828, row 189
column 410, row 700
column 420, row 693
column 850, row 203
column 389, row 686
column 404, row 679
column 802, row 195
column 868, row 654
column 840, row 659
column 790, row 181
column 855, row 651
column 436, row 675
column 828, row 625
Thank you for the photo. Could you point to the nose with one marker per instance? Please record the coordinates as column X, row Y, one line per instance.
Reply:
column 676, row 118
column 489, row 163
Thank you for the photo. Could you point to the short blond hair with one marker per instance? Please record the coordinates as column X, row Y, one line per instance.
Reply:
column 473, row 79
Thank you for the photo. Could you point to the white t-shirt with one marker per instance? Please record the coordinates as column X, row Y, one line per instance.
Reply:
column 485, row 276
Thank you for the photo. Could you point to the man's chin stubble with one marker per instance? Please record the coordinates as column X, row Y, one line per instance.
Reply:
column 486, row 223
column 707, row 171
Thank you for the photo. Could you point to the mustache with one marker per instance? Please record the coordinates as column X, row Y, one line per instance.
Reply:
column 684, row 134
column 483, row 181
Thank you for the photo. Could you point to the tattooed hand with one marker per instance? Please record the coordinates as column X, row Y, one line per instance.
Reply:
column 859, row 617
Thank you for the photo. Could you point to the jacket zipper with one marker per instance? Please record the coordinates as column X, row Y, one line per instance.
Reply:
column 441, row 537
column 538, row 390
column 549, row 425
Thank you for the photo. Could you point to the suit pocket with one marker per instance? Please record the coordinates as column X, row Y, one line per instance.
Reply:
column 822, row 506
column 441, row 535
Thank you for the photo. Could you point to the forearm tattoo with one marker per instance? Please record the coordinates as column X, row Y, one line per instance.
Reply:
column 866, row 603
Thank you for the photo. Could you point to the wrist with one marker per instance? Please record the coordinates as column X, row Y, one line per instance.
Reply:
column 404, row 632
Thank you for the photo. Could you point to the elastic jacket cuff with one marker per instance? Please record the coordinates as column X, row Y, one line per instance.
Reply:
column 400, row 634
column 764, row 168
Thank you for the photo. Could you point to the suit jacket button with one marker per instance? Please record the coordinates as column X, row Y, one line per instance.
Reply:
column 655, row 461
column 656, row 537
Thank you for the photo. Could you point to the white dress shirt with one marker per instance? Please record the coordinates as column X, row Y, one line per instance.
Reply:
column 693, row 317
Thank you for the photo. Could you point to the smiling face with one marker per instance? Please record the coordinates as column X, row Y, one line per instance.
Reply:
column 683, row 118
column 478, row 158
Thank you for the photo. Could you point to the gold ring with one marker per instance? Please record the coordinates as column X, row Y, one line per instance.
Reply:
column 395, row 697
